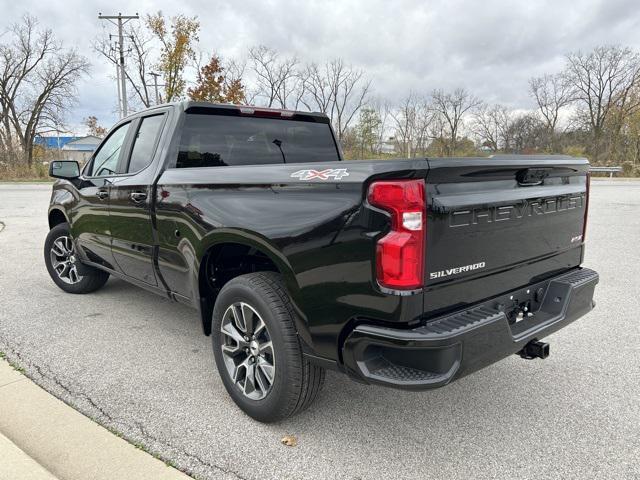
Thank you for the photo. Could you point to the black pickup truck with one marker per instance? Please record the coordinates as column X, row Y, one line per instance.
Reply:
column 405, row 273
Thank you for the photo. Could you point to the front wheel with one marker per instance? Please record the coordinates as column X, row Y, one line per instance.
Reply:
column 64, row 266
column 257, row 350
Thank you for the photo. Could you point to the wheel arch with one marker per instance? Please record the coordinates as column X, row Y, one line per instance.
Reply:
column 230, row 253
column 56, row 217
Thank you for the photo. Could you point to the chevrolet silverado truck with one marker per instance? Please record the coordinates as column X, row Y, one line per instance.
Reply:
column 408, row 273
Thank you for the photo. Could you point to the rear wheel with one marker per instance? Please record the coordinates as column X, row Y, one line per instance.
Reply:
column 257, row 350
column 64, row 266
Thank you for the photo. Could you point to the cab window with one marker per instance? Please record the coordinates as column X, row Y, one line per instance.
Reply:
column 145, row 142
column 105, row 161
column 210, row 140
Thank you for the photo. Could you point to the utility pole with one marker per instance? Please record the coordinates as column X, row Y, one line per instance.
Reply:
column 155, row 85
column 120, row 20
column 119, row 90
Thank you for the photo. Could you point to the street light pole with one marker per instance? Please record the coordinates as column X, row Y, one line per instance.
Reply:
column 120, row 20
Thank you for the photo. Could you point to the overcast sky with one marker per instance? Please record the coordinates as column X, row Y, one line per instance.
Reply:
column 489, row 47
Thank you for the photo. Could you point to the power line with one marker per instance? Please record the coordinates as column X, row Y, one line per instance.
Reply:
column 120, row 20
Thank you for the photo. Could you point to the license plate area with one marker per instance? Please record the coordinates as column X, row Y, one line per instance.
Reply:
column 531, row 306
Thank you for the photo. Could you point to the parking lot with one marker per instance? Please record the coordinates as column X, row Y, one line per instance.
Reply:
column 140, row 365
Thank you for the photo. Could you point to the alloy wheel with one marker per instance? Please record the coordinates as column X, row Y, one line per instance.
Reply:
column 64, row 261
column 247, row 350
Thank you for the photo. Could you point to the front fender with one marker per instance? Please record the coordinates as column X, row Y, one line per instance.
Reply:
column 62, row 200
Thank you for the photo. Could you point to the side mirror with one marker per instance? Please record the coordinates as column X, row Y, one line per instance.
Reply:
column 68, row 169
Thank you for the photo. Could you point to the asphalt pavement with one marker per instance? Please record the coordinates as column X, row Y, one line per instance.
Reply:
column 140, row 365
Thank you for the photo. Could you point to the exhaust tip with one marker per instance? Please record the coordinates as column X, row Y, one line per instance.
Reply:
column 535, row 349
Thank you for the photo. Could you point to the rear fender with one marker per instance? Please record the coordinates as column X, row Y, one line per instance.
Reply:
column 263, row 245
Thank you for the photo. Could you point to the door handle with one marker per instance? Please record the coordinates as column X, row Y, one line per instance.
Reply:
column 138, row 196
column 102, row 194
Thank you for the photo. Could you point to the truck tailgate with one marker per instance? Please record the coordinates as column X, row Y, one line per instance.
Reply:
column 499, row 223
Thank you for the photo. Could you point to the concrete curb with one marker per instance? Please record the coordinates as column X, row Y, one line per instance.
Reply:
column 41, row 435
column 14, row 463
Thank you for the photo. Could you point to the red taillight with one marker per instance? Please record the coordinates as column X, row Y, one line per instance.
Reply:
column 586, row 208
column 400, row 253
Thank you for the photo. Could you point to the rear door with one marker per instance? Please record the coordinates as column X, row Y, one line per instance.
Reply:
column 496, row 224
column 130, row 201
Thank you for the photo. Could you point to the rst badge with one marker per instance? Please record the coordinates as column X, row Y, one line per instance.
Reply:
column 329, row 173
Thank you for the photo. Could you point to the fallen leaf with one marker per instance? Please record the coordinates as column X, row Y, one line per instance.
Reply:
column 289, row 441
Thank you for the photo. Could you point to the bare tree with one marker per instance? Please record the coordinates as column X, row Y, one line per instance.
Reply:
column 38, row 80
column 140, row 58
column 278, row 79
column 452, row 108
column 552, row 93
column 425, row 121
column 349, row 92
column 264, row 65
column 19, row 57
column 413, row 122
column 527, row 134
column 383, row 111
column 491, row 124
column 337, row 89
column 236, row 72
column 604, row 80
column 405, row 119
column 318, row 92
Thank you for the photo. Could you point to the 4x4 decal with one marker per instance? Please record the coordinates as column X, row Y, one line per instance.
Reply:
column 334, row 173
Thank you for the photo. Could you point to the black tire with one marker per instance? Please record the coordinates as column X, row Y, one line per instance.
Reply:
column 296, row 381
column 89, row 279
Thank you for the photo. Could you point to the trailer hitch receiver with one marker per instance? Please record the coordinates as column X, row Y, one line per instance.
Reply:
column 535, row 349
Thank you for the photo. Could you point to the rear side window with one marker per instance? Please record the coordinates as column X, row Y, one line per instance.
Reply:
column 144, row 143
column 222, row 140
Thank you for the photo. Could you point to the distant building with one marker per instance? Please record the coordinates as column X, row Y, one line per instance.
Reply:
column 388, row 146
column 67, row 148
column 53, row 142
column 81, row 148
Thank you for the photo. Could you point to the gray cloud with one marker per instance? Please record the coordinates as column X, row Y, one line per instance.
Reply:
column 490, row 47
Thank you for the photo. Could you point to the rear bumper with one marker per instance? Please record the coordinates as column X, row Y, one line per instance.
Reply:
column 452, row 346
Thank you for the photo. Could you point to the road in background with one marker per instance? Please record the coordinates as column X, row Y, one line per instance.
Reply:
column 139, row 364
